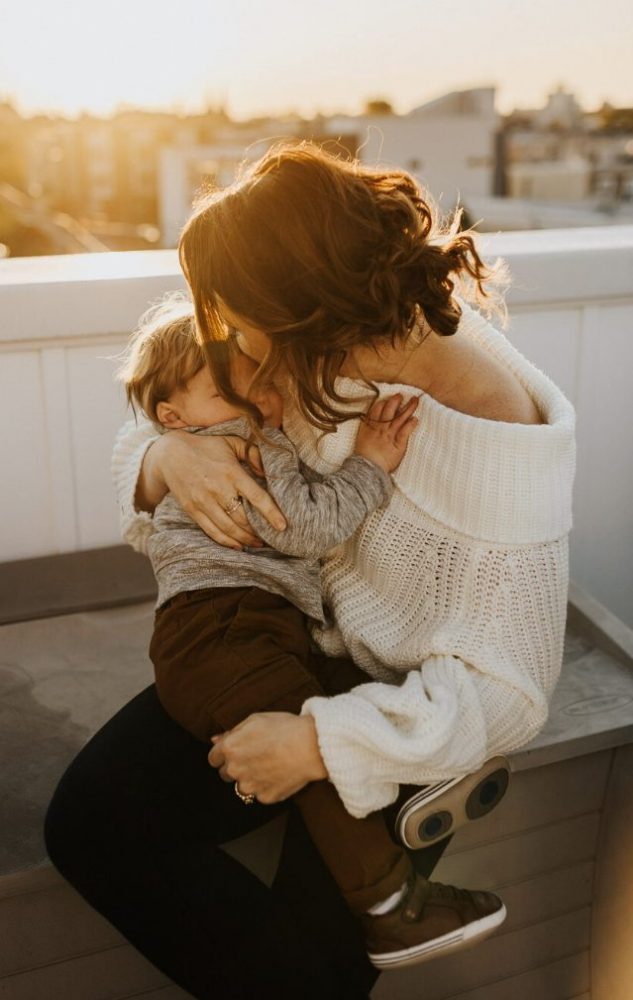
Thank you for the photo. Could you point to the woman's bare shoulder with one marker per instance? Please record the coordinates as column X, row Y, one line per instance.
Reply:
column 511, row 404
column 487, row 389
column 502, row 396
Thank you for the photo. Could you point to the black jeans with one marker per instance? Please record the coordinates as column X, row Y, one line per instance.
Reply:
column 135, row 825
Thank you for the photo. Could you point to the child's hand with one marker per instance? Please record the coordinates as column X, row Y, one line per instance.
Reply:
column 385, row 430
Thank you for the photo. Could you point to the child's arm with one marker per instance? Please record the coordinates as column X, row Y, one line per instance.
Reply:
column 323, row 514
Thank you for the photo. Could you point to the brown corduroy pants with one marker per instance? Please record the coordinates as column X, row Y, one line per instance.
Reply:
column 223, row 653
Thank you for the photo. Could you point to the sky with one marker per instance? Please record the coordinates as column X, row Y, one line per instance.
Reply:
column 277, row 56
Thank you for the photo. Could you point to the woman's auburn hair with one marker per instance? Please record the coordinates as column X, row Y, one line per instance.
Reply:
column 322, row 254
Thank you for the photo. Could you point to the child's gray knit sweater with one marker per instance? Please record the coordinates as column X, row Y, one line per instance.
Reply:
column 321, row 512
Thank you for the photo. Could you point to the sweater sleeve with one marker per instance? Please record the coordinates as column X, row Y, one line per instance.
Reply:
column 131, row 444
column 321, row 512
column 444, row 720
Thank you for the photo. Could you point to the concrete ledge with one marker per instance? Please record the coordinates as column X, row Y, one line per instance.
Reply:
column 86, row 296
column 62, row 678
column 74, row 581
column 585, row 614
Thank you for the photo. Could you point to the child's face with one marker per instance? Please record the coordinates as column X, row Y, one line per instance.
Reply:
column 199, row 403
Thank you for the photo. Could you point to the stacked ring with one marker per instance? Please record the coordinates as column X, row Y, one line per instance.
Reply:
column 246, row 799
column 233, row 504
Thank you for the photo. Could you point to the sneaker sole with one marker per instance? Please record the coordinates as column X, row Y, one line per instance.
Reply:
column 464, row 937
column 439, row 810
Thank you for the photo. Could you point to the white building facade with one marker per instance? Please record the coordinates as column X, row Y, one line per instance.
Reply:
column 447, row 144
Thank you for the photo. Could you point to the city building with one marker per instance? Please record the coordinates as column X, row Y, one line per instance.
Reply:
column 560, row 153
column 448, row 143
column 129, row 181
column 186, row 169
column 567, row 179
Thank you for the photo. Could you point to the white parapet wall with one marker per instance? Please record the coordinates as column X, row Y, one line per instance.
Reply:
column 64, row 320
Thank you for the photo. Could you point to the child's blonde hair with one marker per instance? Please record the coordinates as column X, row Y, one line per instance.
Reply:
column 162, row 355
column 164, row 352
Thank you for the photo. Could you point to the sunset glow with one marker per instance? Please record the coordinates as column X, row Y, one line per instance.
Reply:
column 285, row 55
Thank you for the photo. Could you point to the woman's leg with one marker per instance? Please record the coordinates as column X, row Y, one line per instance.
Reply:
column 135, row 826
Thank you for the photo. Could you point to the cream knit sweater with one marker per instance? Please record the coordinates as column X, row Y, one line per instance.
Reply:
column 453, row 597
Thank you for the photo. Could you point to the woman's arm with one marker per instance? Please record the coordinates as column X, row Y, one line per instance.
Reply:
column 445, row 720
column 203, row 473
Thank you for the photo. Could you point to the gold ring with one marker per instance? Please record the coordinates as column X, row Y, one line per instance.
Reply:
column 233, row 504
column 246, row 799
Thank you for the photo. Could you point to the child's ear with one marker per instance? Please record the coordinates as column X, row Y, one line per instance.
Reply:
column 168, row 417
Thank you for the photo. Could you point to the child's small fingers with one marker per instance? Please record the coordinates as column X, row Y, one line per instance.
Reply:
column 409, row 404
column 375, row 411
column 391, row 406
column 406, row 413
column 404, row 433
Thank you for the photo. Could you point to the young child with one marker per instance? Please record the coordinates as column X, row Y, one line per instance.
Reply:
column 231, row 635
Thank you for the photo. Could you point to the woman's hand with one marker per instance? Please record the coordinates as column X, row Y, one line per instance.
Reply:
column 271, row 755
column 205, row 476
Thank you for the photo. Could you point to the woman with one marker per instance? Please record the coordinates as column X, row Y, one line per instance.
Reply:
column 338, row 281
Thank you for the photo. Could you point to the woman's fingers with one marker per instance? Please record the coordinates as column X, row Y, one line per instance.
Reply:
column 234, row 521
column 261, row 501
column 270, row 755
column 255, row 460
column 217, row 759
column 243, row 485
column 205, row 476
column 236, row 540
column 246, row 452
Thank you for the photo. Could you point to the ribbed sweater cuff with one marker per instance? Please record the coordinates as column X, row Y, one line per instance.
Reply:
column 378, row 736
